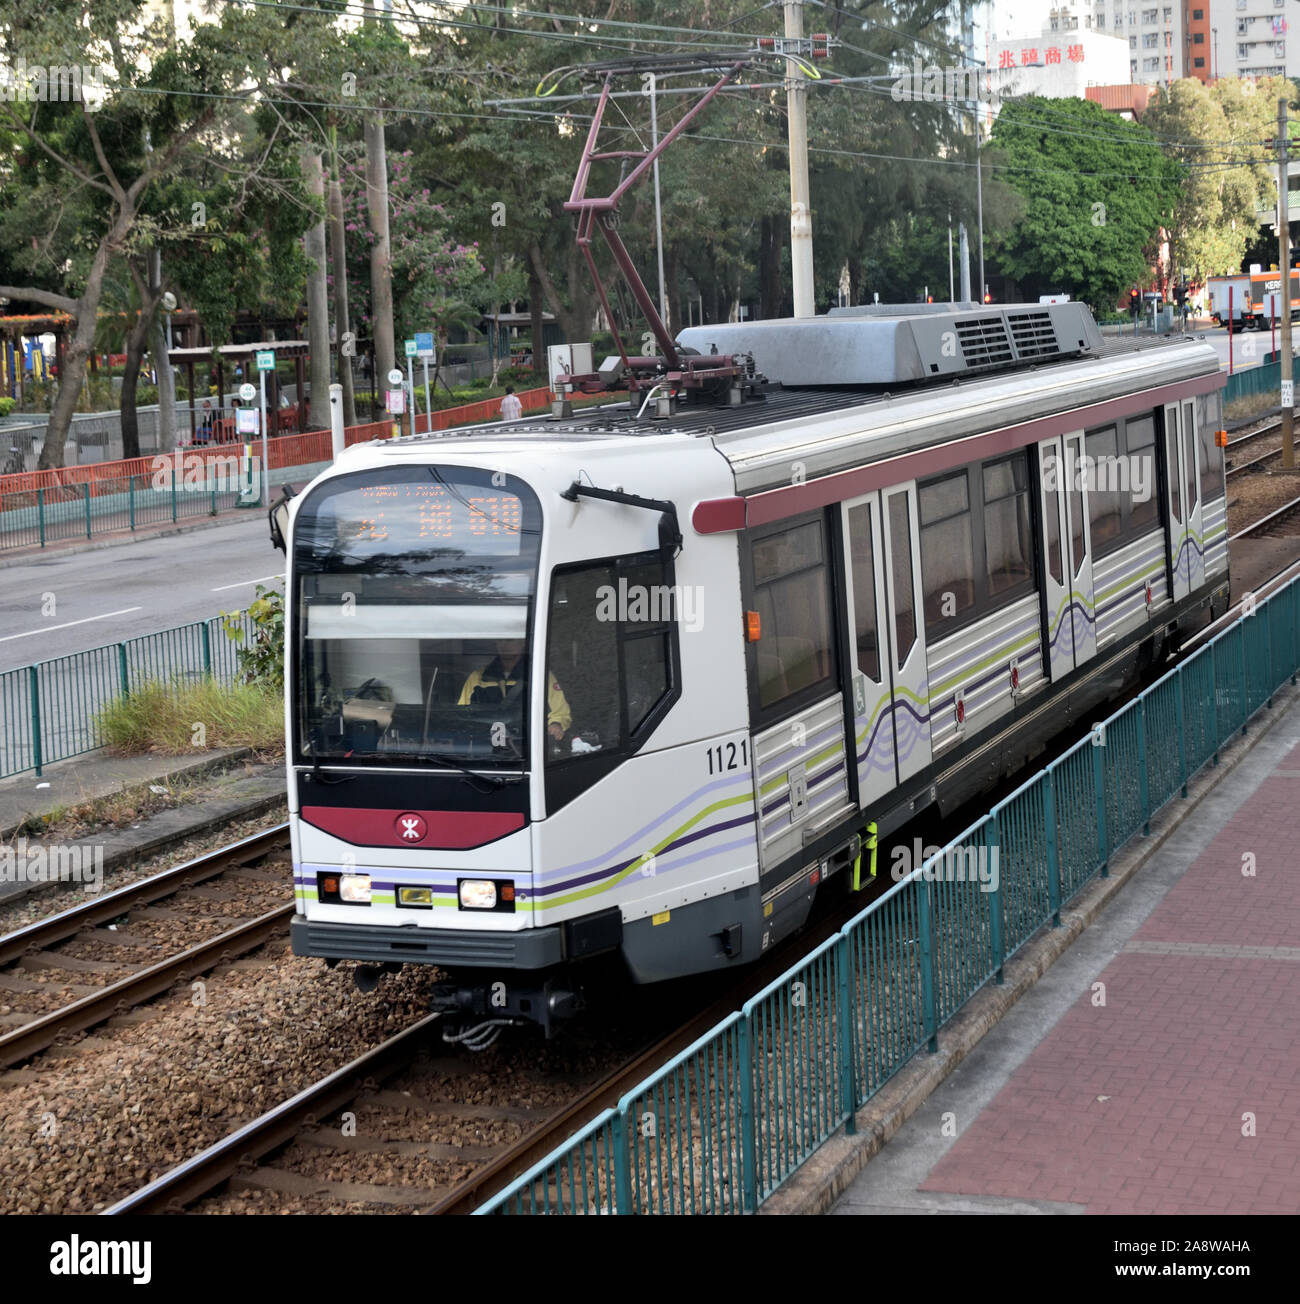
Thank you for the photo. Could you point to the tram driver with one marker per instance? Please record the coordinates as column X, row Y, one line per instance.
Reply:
column 502, row 679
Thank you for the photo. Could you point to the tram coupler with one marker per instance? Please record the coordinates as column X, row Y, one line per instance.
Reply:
column 544, row 1004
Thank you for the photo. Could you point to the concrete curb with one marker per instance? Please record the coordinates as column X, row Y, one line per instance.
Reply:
column 830, row 1171
column 190, row 770
column 124, row 848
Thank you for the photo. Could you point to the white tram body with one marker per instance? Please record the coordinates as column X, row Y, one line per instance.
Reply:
column 529, row 726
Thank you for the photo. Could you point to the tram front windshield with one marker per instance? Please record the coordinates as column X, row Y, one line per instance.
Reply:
column 415, row 592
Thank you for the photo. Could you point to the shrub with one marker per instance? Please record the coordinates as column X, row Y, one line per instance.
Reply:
column 261, row 660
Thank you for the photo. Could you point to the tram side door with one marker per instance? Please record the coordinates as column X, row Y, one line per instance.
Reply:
column 1178, row 503
column 891, row 729
column 1056, row 589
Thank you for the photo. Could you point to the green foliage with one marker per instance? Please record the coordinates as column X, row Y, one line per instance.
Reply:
column 477, row 191
column 1097, row 190
column 261, row 657
column 7, row 405
column 160, row 718
column 1214, row 218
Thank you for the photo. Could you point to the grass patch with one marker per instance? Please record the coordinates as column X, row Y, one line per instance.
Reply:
column 180, row 719
column 1249, row 406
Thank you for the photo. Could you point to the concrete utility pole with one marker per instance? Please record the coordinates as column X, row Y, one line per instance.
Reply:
column 801, row 248
column 381, row 277
column 1284, row 265
column 339, row 258
column 318, row 312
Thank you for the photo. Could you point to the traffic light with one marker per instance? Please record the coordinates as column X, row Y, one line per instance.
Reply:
column 1180, row 294
column 1134, row 301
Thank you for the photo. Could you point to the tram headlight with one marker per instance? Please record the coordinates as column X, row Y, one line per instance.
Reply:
column 477, row 894
column 354, row 889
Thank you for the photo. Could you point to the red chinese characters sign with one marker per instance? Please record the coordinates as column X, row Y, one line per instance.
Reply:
column 1031, row 56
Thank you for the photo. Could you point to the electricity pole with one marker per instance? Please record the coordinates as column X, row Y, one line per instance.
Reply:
column 381, row 262
column 1284, row 265
column 801, row 249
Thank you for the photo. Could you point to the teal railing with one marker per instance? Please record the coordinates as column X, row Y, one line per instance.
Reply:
column 38, row 517
column 49, row 711
column 1264, row 379
column 722, row 1125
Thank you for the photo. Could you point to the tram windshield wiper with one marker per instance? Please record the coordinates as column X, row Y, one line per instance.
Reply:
column 452, row 763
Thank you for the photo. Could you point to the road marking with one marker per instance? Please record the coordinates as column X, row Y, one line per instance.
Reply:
column 49, row 629
column 242, row 583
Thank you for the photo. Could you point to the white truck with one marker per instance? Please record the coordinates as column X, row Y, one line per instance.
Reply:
column 1230, row 298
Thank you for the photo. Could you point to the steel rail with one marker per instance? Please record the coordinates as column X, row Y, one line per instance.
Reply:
column 116, row 998
column 277, row 1127
column 68, row 923
column 1265, row 521
column 41, row 1032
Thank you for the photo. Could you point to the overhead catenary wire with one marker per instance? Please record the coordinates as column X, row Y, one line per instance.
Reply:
column 443, row 21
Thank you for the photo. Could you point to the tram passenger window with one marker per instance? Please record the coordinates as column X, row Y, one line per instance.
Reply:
column 1171, row 464
column 1008, row 546
column 1211, row 463
column 1107, row 480
column 1140, row 439
column 947, row 553
column 865, row 633
column 791, row 595
column 1074, row 499
column 900, row 547
column 1189, row 456
column 1051, row 513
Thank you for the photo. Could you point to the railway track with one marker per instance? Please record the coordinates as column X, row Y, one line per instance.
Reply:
column 1264, row 432
column 70, row 971
column 1282, row 522
column 1261, row 457
column 390, row 1085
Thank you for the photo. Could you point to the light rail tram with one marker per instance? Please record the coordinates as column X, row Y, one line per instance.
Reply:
column 644, row 680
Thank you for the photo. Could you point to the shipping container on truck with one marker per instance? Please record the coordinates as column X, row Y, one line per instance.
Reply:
column 1238, row 302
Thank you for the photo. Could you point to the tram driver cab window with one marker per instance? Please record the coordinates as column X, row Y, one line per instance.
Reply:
column 612, row 650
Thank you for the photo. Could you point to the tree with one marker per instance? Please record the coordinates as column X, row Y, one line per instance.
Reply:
column 1214, row 217
column 1096, row 190
column 90, row 164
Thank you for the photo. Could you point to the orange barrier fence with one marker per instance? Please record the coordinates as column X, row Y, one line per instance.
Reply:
column 282, row 450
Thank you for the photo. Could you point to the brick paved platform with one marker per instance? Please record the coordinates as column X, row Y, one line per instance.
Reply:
column 1142, row 1104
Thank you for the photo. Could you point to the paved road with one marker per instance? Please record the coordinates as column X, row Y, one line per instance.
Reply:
column 1249, row 348
column 138, row 588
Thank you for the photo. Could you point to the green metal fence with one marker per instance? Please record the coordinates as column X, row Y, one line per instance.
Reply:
column 721, row 1126
column 49, row 711
column 80, row 511
column 1264, row 379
